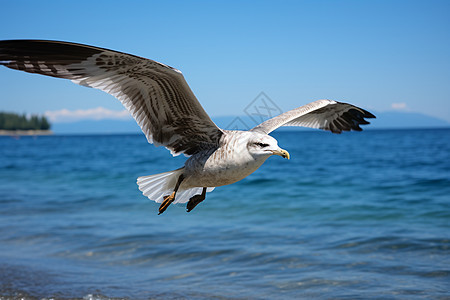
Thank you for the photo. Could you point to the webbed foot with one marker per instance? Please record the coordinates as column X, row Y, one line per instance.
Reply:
column 195, row 200
column 167, row 201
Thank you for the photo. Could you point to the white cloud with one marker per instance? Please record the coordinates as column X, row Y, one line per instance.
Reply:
column 99, row 113
column 399, row 105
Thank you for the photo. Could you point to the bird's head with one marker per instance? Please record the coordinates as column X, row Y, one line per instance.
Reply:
column 263, row 145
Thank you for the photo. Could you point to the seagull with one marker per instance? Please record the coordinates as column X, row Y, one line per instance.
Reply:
column 160, row 100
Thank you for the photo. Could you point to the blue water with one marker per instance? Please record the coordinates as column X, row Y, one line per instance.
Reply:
column 357, row 215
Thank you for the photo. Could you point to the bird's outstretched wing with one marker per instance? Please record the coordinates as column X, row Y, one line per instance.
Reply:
column 322, row 114
column 156, row 95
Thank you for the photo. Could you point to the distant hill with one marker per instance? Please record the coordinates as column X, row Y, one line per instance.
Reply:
column 384, row 120
column 15, row 122
column 392, row 119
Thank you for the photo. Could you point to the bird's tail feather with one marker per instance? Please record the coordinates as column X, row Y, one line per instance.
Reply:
column 155, row 187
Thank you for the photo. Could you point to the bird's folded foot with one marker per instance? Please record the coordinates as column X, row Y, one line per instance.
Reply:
column 167, row 201
column 194, row 201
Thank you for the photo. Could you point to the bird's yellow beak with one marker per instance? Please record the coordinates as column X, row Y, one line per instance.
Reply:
column 281, row 152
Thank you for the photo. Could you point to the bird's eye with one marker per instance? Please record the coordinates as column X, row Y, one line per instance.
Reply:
column 262, row 145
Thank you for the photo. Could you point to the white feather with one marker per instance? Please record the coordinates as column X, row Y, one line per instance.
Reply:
column 156, row 186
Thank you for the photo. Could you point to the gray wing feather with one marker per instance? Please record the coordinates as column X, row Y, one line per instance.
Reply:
column 156, row 95
column 322, row 114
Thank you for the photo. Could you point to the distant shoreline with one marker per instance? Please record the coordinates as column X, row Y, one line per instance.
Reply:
column 24, row 132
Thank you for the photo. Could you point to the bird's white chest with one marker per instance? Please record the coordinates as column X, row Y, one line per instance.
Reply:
column 225, row 166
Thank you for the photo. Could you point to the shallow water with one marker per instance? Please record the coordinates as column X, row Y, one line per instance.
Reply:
column 357, row 215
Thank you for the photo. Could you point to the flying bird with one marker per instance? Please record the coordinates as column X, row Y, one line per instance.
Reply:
column 169, row 114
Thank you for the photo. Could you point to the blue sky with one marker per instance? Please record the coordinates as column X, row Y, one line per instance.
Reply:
column 380, row 55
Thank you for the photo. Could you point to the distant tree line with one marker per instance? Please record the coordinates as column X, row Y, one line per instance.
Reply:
column 11, row 121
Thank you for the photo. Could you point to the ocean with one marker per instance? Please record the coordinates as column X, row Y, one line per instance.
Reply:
column 351, row 216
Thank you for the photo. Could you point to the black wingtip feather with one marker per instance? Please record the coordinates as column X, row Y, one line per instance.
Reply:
column 17, row 51
column 350, row 120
